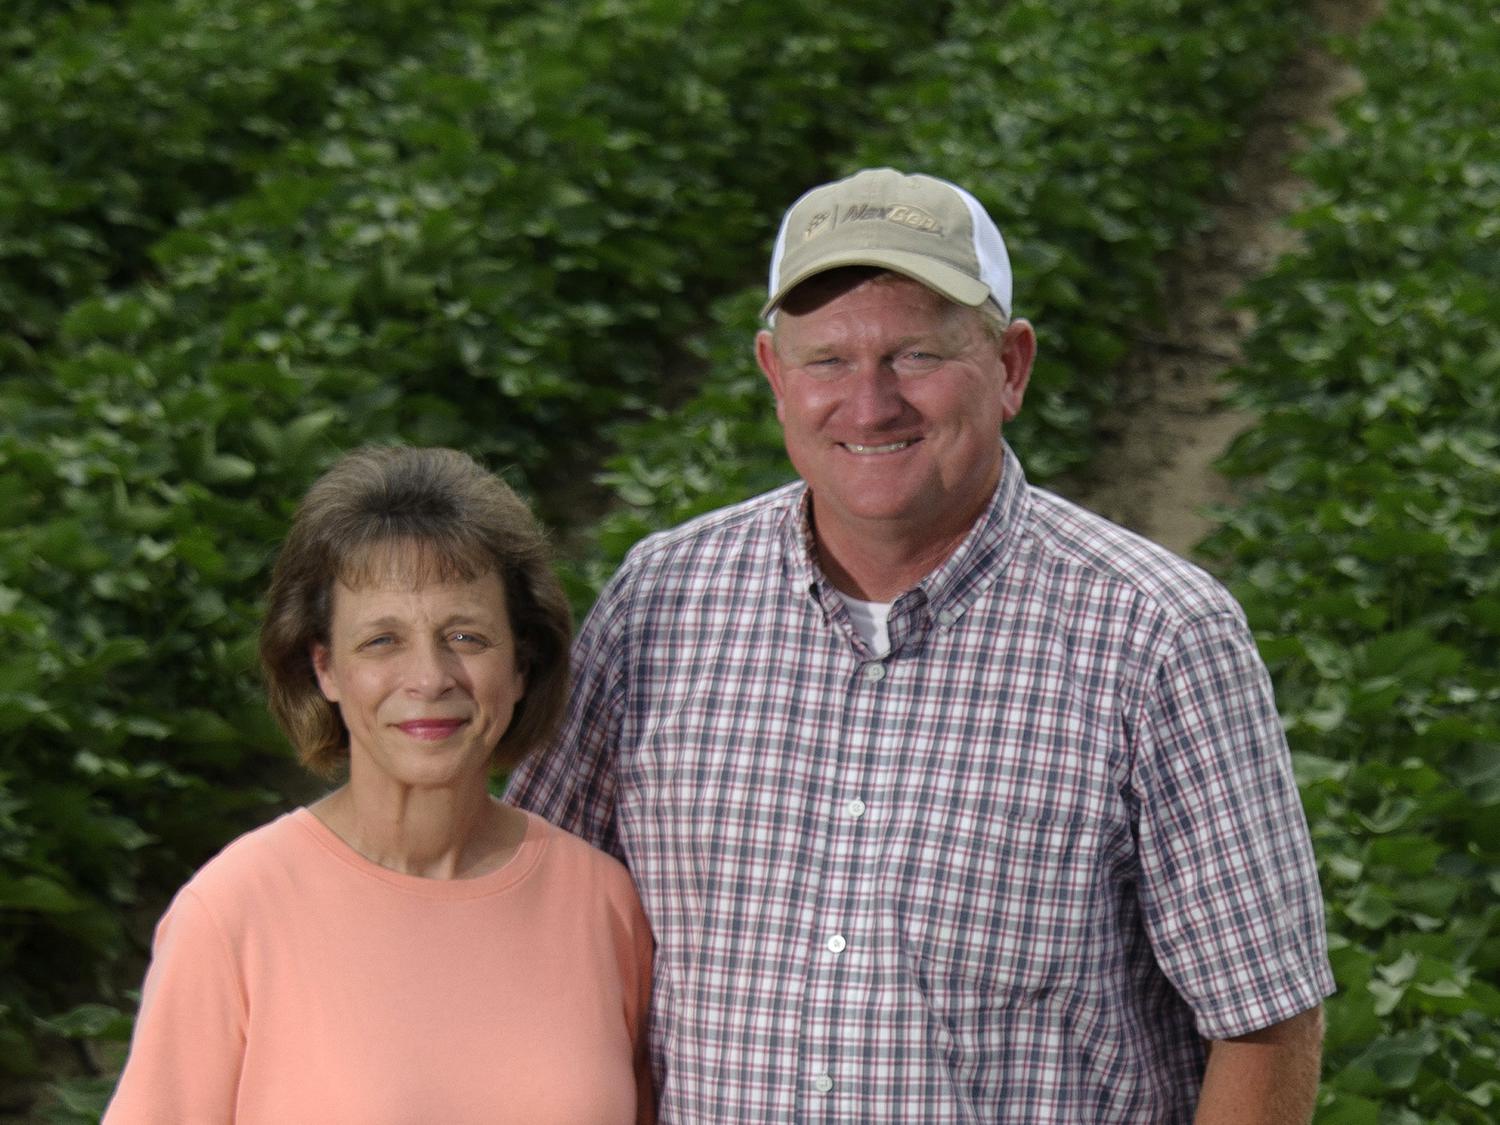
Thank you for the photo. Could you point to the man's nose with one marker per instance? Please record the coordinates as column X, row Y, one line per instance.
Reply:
column 874, row 394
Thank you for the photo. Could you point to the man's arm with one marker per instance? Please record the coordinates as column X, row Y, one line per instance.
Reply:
column 1229, row 885
column 1269, row 1077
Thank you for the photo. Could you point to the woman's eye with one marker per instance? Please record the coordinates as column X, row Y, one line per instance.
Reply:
column 471, row 640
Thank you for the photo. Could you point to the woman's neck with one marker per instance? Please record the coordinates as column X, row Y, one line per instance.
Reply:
column 431, row 833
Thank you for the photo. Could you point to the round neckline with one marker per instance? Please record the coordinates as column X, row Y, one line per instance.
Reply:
column 512, row 871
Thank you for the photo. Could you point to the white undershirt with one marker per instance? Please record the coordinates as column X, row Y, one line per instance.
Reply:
column 869, row 622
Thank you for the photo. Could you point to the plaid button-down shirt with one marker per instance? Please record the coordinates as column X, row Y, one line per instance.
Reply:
column 1011, row 871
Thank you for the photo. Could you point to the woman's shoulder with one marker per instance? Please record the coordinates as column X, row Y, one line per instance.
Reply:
column 593, row 890
column 564, row 847
column 574, row 859
column 251, row 865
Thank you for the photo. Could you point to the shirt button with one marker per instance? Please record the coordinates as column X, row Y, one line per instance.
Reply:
column 874, row 672
column 837, row 944
column 855, row 809
column 822, row 1083
column 947, row 617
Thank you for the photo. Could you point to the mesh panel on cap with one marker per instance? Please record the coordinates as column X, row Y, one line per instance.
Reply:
column 989, row 247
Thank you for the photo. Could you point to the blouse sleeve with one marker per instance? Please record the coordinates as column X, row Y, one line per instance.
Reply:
column 634, row 950
column 189, row 1042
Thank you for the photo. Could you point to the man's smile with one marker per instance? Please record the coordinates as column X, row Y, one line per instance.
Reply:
column 888, row 447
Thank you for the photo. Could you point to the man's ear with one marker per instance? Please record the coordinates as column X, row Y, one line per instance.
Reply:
column 1017, row 354
column 770, row 364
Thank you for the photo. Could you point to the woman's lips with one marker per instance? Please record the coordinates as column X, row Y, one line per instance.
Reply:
column 431, row 730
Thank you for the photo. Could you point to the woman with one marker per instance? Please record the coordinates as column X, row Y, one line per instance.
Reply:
column 407, row 948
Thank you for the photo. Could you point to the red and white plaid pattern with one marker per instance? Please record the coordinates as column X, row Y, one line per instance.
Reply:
column 1010, row 872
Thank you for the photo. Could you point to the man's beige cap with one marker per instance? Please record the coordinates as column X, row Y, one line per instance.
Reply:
column 928, row 229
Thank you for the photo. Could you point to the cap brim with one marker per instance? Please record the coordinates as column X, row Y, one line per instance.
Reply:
column 937, row 276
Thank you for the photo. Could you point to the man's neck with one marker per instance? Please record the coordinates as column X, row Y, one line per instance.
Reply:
column 879, row 565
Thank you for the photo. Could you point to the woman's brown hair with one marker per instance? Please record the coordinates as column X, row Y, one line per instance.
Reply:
column 435, row 515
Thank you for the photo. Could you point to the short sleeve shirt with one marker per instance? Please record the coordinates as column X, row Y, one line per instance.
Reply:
column 1016, row 869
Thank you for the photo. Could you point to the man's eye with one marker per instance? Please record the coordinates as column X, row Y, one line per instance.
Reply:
column 470, row 640
column 917, row 361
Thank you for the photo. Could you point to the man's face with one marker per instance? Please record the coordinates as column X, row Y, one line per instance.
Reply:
column 891, row 399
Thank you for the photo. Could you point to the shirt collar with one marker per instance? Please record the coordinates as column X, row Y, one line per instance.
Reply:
column 799, row 550
column 959, row 581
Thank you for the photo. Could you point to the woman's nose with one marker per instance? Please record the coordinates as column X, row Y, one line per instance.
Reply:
column 430, row 670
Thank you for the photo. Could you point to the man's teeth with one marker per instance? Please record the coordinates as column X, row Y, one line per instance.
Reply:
column 890, row 447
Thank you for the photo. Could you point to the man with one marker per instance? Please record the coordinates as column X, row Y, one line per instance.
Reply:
column 948, row 800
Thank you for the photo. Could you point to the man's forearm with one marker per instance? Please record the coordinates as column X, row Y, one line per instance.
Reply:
column 1269, row 1077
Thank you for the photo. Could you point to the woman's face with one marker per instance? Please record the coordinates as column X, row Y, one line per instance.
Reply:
column 425, row 678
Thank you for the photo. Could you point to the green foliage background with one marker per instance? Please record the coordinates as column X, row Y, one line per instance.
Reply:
column 236, row 239
column 1368, row 556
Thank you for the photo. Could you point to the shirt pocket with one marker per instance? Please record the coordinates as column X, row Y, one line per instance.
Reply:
column 999, row 907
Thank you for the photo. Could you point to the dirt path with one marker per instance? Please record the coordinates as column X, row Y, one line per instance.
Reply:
column 1154, row 468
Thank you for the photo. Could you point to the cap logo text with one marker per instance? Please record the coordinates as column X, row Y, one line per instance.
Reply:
column 902, row 214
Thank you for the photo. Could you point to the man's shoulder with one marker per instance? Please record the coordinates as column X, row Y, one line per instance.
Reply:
column 728, row 530
column 1072, row 536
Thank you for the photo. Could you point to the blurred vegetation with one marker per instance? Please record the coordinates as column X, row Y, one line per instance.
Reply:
column 1368, row 557
column 236, row 239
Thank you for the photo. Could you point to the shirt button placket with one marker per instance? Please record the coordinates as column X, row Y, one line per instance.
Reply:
column 835, row 945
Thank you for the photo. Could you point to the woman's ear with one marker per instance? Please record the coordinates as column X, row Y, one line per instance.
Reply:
column 322, row 662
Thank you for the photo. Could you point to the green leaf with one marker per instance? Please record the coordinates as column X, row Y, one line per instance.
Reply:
column 91, row 1021
column 305, row 429
column 1485, row 1094
column 1392, row 814
column 1348, row 1109
column 1371, row 908
column 37, row 894
column 1312, row 768
column 199, row 551
column 1415, row 855
column 1387, row 997
column 1397, row 1059
column 224, row 468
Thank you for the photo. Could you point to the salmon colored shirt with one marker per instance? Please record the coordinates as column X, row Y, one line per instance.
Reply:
column 294, row 981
